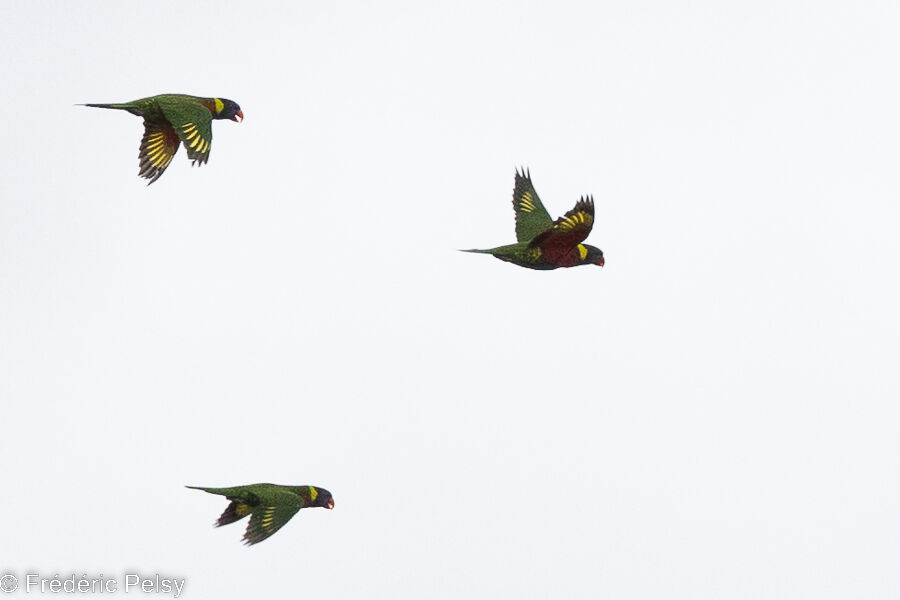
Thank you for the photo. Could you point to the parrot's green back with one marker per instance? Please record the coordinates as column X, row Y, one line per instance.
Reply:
column 150, row 106
column 265, row 492
column 521, row 254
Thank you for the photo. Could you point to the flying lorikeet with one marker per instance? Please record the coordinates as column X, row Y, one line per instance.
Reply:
column 543, row 243
column 270, row 506
column 173, row 118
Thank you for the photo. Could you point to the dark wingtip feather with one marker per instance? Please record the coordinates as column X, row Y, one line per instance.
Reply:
column 230, row 514
column 585, row 203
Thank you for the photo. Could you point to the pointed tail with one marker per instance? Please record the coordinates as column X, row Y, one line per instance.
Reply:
column 127, row 107
column 479, row 251
column 205, row 489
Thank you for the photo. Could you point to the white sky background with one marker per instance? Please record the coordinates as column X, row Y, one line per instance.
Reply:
column 712, row 415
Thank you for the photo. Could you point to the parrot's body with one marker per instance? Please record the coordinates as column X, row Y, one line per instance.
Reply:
column 170, row 119
column 545, row 244
column 270, row 506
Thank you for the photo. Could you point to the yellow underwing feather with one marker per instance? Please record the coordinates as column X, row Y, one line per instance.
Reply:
column 268, row 517
column 527, row 202
column 159, row 158
column 573, row 221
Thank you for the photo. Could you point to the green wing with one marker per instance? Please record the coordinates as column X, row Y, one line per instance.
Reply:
column 193, row 124
column 266, row 520
column 531, row 216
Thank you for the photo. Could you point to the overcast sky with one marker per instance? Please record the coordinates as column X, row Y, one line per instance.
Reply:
column 714, row 414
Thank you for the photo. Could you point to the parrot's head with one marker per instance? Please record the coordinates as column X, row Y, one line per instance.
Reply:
column 594, row 256
column 322, row 497
column 229, row 110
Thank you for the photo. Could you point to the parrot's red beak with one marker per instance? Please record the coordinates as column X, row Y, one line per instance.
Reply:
column 330, row 504
column 240, row 114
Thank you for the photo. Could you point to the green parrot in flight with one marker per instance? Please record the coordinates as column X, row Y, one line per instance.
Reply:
column 545, row 244
column 170, row 119
column 270, row 506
